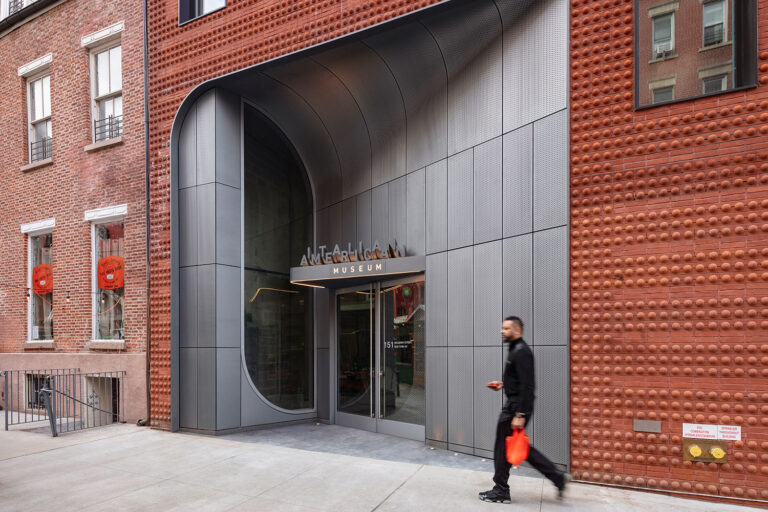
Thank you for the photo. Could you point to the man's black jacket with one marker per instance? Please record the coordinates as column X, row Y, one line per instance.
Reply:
column 519, row 380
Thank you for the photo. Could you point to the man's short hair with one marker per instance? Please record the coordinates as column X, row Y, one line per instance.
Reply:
column 515, row 320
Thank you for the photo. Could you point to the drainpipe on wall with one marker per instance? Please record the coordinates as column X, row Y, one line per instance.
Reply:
column 147, row 420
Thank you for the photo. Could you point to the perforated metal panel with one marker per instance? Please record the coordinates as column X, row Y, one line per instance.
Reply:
column 550, row 286
column 206, row 224
column 437, row 393
column 380, row 214
column 188, row 226
column 397, row 210
column 535, row 64
column 460, row 298
column 518, row 181
column 487, row 293
column 205, row 138
column 460, row 192
column 206, row 306
column 376, row 92
column 188, row 150
column 437, row 206
column 364, row 218
column 518, row 281
column 552, row 402
column 416, row 62
column 206, row 388
column 488, row 366
column 460, row 396
column 437, row 299
column 188, row 307
column 474, row 68
column 227, row 225
column 550, row 172
column 415, row 240
column 228, row 306
column 188, row 387
column 227, row 388
column 487, row 181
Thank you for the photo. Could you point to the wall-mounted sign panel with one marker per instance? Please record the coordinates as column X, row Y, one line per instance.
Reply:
column 344, row 274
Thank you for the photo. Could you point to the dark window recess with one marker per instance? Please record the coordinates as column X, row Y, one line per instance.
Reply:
column 41, row 149
column 713, row 34
column 714, row 84
column 191, row 9
column 664, row 94
column 108, row 128
column 15, row 6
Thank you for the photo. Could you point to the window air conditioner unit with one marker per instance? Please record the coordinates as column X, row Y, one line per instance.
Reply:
column 662, row 50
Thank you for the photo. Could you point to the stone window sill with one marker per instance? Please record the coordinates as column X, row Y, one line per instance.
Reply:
column 38, row 344
column 35, row 165
column 103, row 144
column 662, row 59
column 105, row 345
column 715, row 46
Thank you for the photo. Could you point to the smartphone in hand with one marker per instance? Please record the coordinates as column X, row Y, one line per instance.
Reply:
column 495, row 384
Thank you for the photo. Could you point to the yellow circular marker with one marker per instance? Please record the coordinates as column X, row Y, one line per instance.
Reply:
column 717, row 452
column 694, row 450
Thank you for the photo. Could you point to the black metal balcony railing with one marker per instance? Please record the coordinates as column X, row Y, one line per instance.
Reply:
column 41, row 149
column 108, row 128
column 15, row 6
column 713, row 34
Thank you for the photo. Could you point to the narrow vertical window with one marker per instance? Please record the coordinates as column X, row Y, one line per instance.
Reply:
column 109, row 278
column 713, row 22
column 41, row 293
column 39, row 114
column 108, row 94
column 663, row 36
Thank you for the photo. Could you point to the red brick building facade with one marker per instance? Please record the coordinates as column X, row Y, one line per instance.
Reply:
column 91, row 174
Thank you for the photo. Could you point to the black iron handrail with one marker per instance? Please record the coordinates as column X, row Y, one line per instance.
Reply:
column 108, row 128
column 41, row 149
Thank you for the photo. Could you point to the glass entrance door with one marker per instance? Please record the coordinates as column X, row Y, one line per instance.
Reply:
column 380, row 358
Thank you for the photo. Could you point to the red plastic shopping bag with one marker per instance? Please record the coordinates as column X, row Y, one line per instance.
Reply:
column 517, row 447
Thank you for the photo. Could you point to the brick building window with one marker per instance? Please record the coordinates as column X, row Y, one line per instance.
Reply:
column 663, row 94
column 714, row 84
column 39, row 115
column 107, row 72
column 40, row 284
column 108, row 280
column 191, row 9
column 663, row 36
column 713, row 23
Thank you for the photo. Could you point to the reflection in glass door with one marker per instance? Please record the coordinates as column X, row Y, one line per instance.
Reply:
column 380, row 358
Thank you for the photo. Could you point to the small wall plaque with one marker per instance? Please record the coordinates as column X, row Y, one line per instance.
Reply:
column 653, row 426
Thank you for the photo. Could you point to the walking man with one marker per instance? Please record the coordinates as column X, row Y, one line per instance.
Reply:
column 519, row 384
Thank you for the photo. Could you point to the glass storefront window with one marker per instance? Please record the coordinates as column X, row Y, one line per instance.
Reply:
column 278, row 227
column 110, row 281
column 41, row 298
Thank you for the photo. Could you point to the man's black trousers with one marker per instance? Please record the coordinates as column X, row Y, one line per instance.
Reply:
column 535, row 458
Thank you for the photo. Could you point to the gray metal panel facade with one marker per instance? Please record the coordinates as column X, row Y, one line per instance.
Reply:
column 323, row 380
column 227, row 388
column 206, row 388
column 206, row 138
column 349, row 221
column 518, row 281
column 397, row 210
column 550, row 286
column 460, row 197
column 188, row 388
column 460, row 295
column 228, row 135
column 517, row 207
column 415, row 191
column 550, row 171
column 460, row 396
column 206, row 306
column 188, row 226
column 487, row 293
column 364, row 218
column 206, row 224
column 380, row 214
column 227, row 306
column 188, row 306
column 487, row 181
column 437, row 207
column 188, row 151
column 488, row 364
column 437, row 393
column 436, row 282
column 228, row 225
column 552, row 402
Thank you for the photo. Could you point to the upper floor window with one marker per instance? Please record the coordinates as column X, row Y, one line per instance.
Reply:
column 107, row 93
column 191, row 9
column 710, row 46
column 713, row 21
column 39, row 115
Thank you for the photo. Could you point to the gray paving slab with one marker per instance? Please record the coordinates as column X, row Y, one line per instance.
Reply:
column 301, row 469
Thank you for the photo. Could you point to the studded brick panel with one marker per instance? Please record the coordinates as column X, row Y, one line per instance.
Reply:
column 669, row 268
column 244, row 33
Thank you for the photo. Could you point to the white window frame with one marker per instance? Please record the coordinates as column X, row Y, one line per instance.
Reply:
column 653, row 91
column 95, row 86
column 31, row 72
column 96, row 218
column 671, row 15
column 724, row 3
column 723, row 80
column 42, row 227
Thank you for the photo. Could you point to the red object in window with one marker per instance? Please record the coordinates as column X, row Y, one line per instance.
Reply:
column 42, row 279
column 111, row 272
column 518, row 445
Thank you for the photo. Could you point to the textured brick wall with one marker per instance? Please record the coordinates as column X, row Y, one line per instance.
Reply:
column 669, row 268
column 76, row 181
column 244, row 33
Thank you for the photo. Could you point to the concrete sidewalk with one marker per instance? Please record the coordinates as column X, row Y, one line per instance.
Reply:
column 122, row 467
